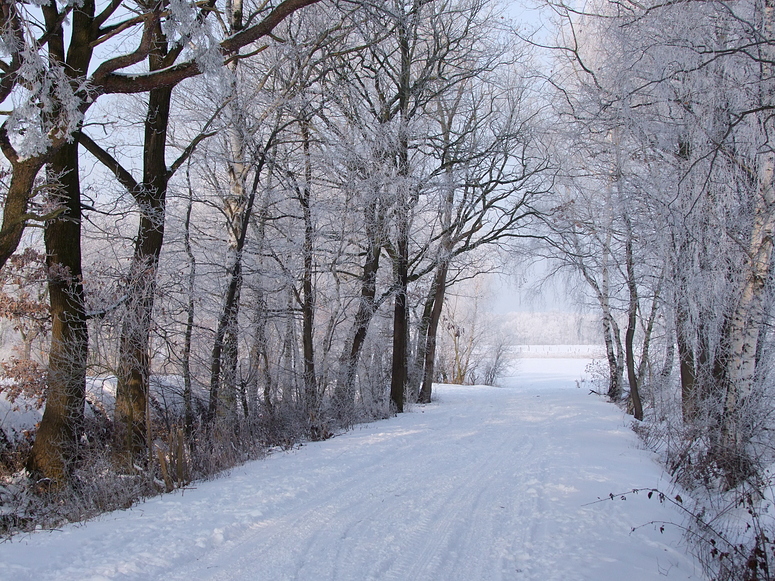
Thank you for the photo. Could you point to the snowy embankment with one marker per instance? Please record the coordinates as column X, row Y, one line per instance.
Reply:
column 484, row 484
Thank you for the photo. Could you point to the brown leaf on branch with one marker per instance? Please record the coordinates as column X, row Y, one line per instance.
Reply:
column 24, row 378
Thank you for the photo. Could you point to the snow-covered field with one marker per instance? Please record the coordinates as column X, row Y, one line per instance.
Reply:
column 484, row 484
column 558, row 351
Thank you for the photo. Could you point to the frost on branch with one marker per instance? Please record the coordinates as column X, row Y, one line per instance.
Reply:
column 46, row 105
column 185, row 26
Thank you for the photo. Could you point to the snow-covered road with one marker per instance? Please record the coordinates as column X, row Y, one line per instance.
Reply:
column 484, row 484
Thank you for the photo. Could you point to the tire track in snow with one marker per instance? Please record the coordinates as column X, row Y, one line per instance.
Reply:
column 455, row 524
column 440, row 503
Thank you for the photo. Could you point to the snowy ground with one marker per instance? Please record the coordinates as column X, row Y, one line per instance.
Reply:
column 484, row 484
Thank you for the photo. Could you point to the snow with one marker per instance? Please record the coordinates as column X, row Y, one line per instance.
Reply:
column 560, row 351
column 17, row 417
column 483, row 484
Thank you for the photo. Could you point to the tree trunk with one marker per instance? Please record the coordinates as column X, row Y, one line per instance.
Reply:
column 311, row 403
column 748, row 314
column 611, row 336
column 643, row 366
column 288, row 354
column 259, row 354
column 629, row 337
column 187, row 395
column 401, row 311
column 228, row 316
column 56, row 443
column 225, row 353
column 131, row 421
column 421, row 343
column 348, row 361
column 687, row 366
column 400, row 319
column 439, row 286
column 228, row 320
column 16, row 202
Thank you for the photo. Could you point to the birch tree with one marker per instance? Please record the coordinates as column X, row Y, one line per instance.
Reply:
column 696, row 97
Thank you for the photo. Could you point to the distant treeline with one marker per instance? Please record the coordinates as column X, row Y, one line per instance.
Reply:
column 553, row 328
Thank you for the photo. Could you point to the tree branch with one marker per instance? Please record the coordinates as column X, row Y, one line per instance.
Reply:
column 122, row 174
column 113, row 82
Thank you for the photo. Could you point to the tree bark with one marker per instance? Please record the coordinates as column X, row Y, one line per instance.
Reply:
column 629, row 337
column 230, row 310
column 747, row 317
column 400, row 318
column 611, row 335
column 187, row 392
column 131, row 421
column 15, row 209
column 687, row 366
column 400, row 361
column 440, row 287
column 348, row 361
column 311, row 403
column 55, row 450
column 421, row 343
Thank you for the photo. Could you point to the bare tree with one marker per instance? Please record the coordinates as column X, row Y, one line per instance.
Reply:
column 686, row 107
column 55, row 110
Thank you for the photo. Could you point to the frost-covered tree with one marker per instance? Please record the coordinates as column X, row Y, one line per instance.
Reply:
column 58, row 60
column 669, row 105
